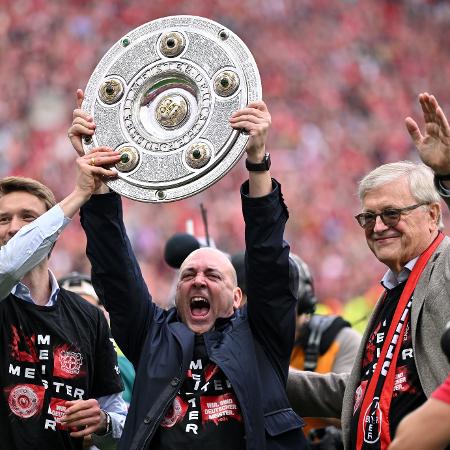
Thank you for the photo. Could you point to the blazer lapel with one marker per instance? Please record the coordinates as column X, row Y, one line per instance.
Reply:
column 421, row 290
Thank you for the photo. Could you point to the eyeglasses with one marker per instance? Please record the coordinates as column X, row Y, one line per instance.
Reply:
column 390, row 216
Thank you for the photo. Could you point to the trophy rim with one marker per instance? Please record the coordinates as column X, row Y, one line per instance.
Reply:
column 194, row 182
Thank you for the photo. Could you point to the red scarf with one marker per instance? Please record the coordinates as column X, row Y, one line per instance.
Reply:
column 374, row 410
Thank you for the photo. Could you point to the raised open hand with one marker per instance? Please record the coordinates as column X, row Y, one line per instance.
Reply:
column 434, row 144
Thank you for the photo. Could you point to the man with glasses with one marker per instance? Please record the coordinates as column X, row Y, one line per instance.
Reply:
column 399, row 363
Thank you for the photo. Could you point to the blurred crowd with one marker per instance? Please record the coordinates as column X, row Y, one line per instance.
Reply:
column 338, row 76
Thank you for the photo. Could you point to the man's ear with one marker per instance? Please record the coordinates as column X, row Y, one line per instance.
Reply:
column 237, row 297
column 435, row 215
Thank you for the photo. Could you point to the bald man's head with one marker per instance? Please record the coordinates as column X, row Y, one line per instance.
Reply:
column 207, row 289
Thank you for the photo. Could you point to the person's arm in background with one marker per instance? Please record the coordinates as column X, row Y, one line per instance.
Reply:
column 348, row 340
column 313, row 394
column 32, row 243
column 428, row 427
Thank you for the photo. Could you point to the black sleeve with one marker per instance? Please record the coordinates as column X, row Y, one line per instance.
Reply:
column 107, row 378
column 271, row 298
column 116, row 274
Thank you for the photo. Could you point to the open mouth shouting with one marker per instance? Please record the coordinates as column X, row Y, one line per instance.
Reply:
column 199, row 307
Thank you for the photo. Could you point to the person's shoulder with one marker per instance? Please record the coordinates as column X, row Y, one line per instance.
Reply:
column 75, row 301
column 349, row 333
column 440, row 260
column 443, row 248
column 6, row 300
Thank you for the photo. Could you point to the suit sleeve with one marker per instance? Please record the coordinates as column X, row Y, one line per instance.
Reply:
column 116, row 275
column 107, row 380
column 313, row 394
column 349, row 341
column 271, row 300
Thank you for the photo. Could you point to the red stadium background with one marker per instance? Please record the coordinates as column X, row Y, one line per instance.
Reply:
column 338, row 76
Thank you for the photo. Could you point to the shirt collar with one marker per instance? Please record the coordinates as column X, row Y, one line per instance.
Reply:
column 390, row 280
column 22, row 291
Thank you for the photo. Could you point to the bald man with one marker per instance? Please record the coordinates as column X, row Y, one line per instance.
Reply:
column 208, row 375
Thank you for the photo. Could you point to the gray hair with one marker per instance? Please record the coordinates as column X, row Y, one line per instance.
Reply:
column 419, row 176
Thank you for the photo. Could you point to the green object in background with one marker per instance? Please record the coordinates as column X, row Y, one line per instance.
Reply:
column 127, row 373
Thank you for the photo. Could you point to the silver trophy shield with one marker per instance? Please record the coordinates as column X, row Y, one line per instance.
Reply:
column 162, row 96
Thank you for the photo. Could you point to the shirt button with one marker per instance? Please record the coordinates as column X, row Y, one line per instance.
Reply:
column 147, row 420
column 175, row 381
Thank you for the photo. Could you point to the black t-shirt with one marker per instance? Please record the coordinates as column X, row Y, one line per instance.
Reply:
column 51, row 355
column 205, row 413
column 407, row 392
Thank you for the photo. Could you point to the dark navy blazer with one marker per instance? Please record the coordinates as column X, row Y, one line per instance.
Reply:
column 252, row 347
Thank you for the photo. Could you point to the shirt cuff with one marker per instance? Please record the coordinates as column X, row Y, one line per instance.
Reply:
column 115, row 433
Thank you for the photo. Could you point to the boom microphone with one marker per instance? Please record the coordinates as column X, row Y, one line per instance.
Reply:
column 178, row 247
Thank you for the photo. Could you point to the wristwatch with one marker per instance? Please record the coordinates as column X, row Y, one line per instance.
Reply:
column 259, row 167
column 108, row 424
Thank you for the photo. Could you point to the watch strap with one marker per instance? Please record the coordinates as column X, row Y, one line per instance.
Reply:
column 108, row 424
column 263, row 166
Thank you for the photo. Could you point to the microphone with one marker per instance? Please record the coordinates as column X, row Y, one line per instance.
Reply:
column 178, row 247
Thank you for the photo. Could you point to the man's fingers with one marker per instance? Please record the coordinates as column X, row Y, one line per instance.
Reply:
column 86, row 426
column 249, row 112
column 413, row 130
column 106, row 173
column 102, row 171
column 78, row 130
column 432, row 102
column 103, row 149
column 83, row 418
column 246, row 124
column 99, row 154
column 248, row 127
column 80, row 97
column 99, row 166
column 83, row 432
column 84, row 121
column 258, row 105
column 248, row 118
column 424, row 102
column 83, row 114
column 443, row 123
column 99, row 163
